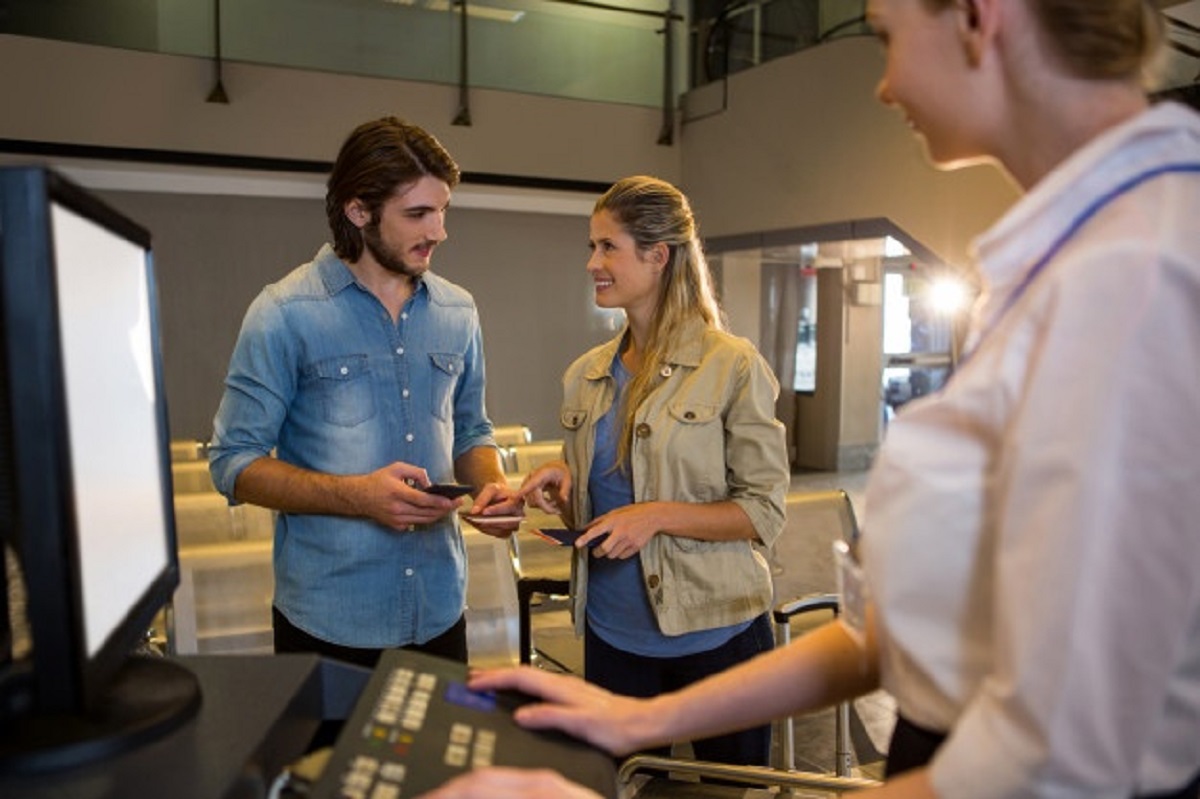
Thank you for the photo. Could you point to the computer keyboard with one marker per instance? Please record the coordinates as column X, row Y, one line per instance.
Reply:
column 417, row 725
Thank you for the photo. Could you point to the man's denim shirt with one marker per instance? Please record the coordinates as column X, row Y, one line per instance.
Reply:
column 323, row 376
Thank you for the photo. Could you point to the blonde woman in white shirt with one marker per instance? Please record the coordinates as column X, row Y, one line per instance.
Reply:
column 1032, row 551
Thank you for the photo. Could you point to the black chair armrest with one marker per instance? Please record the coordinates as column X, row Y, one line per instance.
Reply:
column 784, row 611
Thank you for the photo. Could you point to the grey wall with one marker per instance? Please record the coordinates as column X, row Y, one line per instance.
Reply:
column 82, row 94
column 213, row 254
column 802, row 141
column 536, row 302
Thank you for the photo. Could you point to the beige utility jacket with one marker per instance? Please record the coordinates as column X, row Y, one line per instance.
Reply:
column 707, row 433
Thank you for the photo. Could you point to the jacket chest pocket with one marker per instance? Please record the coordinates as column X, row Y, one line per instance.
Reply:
column 344, row 386
column 694, row 429
column 575, row 449
column 694, row 444
column 572, row 418
column 574, row 421
column 446, row 371
column 691, row 413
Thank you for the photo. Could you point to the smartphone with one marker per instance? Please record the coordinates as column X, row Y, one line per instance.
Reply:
column 451, row 490
column 479, row 518
column 564, row 537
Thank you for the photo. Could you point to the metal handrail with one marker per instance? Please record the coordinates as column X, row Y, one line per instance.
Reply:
column 748, row 775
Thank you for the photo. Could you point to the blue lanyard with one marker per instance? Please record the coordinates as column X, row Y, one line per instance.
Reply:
column 1082, row 219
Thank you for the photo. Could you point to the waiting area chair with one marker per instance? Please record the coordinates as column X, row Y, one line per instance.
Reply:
column 542, row 571
column 803, row 572
column 543, row 575
column 805, row 585
column 527, row 457
column 508, row 435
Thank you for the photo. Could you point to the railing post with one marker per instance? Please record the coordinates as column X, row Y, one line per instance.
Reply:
column 666, row 134
column 217, row 95
column 463, row 117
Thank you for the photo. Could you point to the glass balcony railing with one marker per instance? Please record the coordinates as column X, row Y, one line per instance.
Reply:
column 619, row 51
column 612, row 51
column 642, row 52
column 732, row 35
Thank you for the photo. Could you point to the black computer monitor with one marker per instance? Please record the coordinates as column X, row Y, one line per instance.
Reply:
column 86, row 504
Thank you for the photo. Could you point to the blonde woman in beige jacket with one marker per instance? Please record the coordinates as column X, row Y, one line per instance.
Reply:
column 675, row 467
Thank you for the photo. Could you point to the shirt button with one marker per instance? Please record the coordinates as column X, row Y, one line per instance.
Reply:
column 404, row 316
column 399, row 350
column 408, row 437
column 665, row 371
column 642, row 430
column 408, row 572
column 404, row 393
column 344, row 370
column 652, row 581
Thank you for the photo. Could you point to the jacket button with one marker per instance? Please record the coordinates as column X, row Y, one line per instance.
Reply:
column 652, row 581
column 642, row 430
column 689, row 415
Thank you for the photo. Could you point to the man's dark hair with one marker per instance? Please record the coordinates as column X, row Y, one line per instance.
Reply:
column 376, row 159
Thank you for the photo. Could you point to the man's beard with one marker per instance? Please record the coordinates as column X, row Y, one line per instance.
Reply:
column 385, row 257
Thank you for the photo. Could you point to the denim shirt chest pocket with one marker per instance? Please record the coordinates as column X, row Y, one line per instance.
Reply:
column 445, row 374
column 344, row 386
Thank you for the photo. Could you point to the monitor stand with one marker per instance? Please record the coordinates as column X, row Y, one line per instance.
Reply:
column 148, row 698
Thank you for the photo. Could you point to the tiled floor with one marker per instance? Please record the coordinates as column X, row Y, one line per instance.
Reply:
column 871, row 717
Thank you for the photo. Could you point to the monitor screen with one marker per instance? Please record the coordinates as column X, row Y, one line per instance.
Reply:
column 111, row 397
column 85, row 484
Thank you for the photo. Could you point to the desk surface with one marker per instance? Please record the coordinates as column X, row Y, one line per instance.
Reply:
column 258, row 714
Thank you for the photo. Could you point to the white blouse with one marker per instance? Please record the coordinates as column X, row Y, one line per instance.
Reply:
column 1033, row 529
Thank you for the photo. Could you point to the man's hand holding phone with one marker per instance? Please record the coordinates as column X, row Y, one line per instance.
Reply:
column 448, row 490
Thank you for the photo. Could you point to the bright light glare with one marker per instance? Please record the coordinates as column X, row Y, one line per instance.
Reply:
column 947, row 296
column 893, row 248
